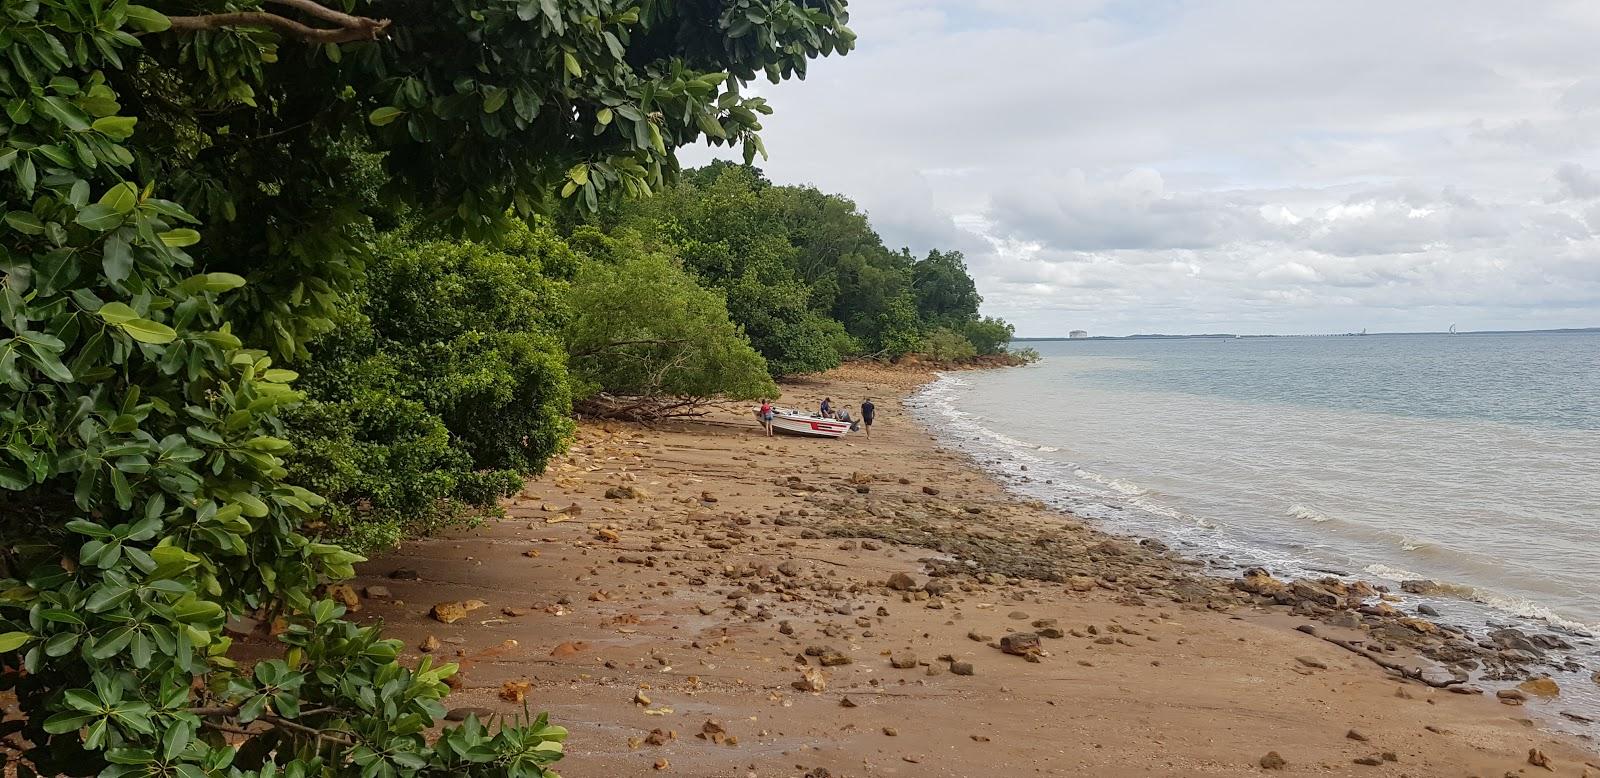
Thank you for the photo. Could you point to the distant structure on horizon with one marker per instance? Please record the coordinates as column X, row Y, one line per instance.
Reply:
column 1075, row 334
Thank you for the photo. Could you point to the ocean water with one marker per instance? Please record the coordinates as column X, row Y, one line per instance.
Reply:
column 1472, row 460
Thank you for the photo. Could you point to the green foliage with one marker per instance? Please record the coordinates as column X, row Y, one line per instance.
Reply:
column 945, row 345
column 142, row 454
column 441, row 390
column 642, row 328
column 946, row 295
column 989, row 336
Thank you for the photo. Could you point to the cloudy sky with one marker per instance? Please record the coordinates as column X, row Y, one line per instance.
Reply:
column 1213, row 166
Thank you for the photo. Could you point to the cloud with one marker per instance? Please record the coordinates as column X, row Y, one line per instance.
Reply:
column 1186, row 165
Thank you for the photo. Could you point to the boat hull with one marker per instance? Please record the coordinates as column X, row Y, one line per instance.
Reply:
column 809, row 426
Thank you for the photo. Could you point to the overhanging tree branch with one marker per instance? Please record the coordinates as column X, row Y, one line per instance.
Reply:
column 350, row 28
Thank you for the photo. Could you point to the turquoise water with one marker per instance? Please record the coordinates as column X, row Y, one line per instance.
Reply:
column 1469, row 459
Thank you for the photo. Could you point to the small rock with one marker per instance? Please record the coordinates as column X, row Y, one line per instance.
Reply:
column 1370, row 761
column 461, row 714
column 903, row 661
column 891, row 731
column 902, row 582
column 404, row 574
column 979, row 636
column 1543, row 686
column 376, row 592
column 1020, row 643
column 452, row 612
column 931, row 491
column 345, row 595
column 1538, row 759
column 960, row 667
column 1355, row 735
column 1272, row 761
column 568, row 648
column 1312, row 662
column 429, row 645
column 846, row 702
column 811, row 680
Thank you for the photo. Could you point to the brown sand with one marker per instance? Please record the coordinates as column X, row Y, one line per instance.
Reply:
column 683, row 595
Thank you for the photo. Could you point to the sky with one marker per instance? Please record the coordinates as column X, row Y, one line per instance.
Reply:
column 1215, row 166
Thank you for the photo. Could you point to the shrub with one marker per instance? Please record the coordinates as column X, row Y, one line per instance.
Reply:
column 643, row 329
column 989, row 336
column 442, row 390
column 945, row 345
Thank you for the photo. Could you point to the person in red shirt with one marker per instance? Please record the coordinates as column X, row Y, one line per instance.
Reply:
column 766, row 417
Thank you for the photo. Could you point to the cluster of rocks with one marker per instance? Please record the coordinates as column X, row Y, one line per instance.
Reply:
column 1503, row 654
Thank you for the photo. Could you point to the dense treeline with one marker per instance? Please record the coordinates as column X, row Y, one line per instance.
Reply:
column 452, row 372
column 248, row 246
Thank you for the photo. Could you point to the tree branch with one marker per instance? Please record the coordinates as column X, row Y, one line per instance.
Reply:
column 350, row 28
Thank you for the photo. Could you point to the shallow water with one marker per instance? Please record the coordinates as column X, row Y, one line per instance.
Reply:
column 1473, row 460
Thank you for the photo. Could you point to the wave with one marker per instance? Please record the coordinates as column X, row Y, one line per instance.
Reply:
column 1299, row 511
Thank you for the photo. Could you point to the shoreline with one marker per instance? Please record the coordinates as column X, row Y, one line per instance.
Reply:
column 726, row 569
column 1559, row 652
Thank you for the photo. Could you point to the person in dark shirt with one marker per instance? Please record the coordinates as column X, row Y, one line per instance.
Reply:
column 868, row 410
column 827, row 407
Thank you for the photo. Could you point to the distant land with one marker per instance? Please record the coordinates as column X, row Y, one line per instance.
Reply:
column 1230, row 336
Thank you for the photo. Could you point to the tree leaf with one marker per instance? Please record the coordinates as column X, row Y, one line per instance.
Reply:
column 116, row 258
column 573, row 68
column 12, row 641
column 178, row 238
column 25, row 223
column 100, row 218
column 115, row 127
column 147, row 331
column 382, row 116
column 147, row 19
column 122, row 197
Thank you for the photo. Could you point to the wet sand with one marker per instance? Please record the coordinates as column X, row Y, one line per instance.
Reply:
column 701, row 599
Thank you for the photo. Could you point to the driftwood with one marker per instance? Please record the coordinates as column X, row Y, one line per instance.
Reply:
column 642, row 409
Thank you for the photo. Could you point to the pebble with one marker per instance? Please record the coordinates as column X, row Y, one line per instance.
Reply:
column 960, row 667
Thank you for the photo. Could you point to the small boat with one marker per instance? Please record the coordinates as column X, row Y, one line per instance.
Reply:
column 807, row 424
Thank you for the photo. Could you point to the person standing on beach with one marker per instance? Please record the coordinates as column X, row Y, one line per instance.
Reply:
column 868, row 410
column 766, row 416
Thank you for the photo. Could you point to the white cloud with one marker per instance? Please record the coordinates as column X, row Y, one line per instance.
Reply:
column 1197, row 165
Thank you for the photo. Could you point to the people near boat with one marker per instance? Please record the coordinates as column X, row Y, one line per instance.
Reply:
column 766, row 416
column 868, row 410
column 827, row 407
column 844, row 415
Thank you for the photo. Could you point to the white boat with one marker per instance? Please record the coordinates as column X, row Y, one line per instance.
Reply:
column 807, row 424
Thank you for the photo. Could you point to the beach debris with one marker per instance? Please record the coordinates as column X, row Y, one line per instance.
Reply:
column 662, row 763
column 1272, row 761
column 639, row 698
column 1538, row 759
column 452, row 612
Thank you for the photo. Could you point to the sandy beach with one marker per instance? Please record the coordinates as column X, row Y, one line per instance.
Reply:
column 697, row 599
